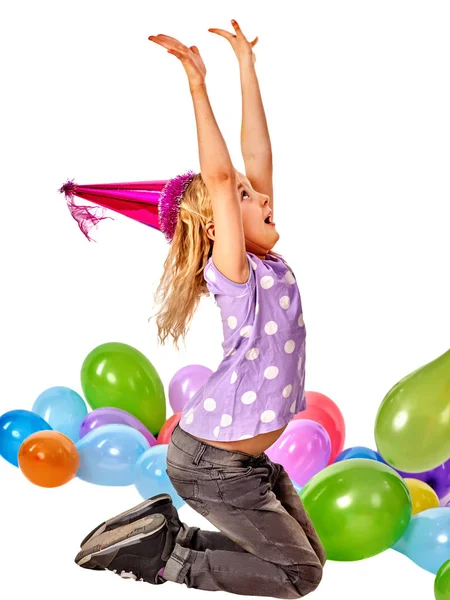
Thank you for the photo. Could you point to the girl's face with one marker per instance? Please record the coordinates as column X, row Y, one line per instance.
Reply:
column 260, row 237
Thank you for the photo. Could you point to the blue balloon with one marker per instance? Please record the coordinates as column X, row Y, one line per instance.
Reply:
column 63, row 409
column 298, row 488
column 427, row 539
column 359, row 452
column 15, row 427
column 108, row 454
column 151, row 476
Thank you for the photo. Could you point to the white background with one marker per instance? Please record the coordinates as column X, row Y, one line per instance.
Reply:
column 357, row 98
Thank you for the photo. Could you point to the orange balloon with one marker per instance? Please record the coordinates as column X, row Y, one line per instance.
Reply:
column 423, row 496
column 166, row 430
column 323, row 410
column 48, row 458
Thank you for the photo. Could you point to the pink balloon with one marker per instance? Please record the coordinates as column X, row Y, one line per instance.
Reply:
column 185, row 383
column 114, row 416
column 303, row 449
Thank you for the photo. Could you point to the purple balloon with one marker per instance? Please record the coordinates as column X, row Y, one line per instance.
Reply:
column 114, row 416
column 303, row 449
column 185, row 383
column 437, row 478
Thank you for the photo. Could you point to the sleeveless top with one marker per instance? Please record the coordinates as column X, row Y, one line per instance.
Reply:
column 260, row 383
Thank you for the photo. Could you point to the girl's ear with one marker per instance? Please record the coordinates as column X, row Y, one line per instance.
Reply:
column 210, row 231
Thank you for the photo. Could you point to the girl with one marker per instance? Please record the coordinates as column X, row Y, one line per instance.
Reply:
column 220, row 224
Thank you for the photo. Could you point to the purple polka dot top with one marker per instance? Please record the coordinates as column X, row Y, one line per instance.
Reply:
column 260, row 383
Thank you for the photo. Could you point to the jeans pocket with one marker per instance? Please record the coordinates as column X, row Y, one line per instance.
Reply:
column 241, row 490
column 234, row 473
column 187, row 489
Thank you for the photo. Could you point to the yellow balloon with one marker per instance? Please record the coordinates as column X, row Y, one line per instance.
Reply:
column 422, row 495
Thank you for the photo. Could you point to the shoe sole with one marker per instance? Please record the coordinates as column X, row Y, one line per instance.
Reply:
column 121, row 536
column 124, row 518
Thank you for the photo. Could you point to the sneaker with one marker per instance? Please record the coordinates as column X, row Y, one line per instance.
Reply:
column 162, row 503
column 139, row 550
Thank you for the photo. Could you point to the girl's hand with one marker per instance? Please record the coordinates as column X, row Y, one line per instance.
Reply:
column 189, row 57
column 241, row 46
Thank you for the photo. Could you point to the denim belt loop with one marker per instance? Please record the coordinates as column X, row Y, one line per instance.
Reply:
column 198, row 455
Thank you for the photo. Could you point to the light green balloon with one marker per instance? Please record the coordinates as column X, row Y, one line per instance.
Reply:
column 117, row 375
column 442, row 582
column 412, row 428
column 359, row 507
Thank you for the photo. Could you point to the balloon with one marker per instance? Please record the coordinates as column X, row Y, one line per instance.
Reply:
column 412, row 429
column 110, row 416
column 109, row 453
column 438, row 478
column 303, row 449
column 298, row 488
column 359, row 507
column 359, row 452
column 422, row 495
column 323, row 410
column 185, row 383
column 151, row 475
column 63, row 409
column 442, row 582
column 15, row 427
column 118, row 375
column 48, row 458
column 427, row 539
column 166, row 430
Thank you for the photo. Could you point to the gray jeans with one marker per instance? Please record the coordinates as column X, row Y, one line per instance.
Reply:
column 266, row 546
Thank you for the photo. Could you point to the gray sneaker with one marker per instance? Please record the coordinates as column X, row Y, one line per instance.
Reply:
column 138, row 550
column 162, row 503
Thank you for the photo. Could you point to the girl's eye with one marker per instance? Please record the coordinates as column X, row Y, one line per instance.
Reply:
column 244, row 192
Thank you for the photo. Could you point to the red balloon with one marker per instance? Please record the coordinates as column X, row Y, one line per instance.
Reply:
column 323, row 410
column 166, row 430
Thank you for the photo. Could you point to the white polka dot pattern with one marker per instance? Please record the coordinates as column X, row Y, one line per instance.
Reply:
column 270, row 327
column 226, row 420
column 252, row 354
column 249, row 397
column 289, row 347
column 245, row 331
column 210, row 404
column 271, row 372
column 267, row 282
column 267, row 416
column 259, row 385
column 285, row 302
column 232, row 322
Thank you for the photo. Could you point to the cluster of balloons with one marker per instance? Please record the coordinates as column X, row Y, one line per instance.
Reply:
column 122, row 441
column 361, row 501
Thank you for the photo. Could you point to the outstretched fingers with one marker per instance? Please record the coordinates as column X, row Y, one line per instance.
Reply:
column 226, row 34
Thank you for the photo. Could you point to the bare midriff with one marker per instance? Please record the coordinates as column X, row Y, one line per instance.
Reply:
column 255, row 445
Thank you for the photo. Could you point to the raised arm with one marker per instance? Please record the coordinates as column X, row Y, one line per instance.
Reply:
column 218, row 173
column 255, row 140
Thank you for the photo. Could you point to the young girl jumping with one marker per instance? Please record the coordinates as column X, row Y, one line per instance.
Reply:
column 220, row 226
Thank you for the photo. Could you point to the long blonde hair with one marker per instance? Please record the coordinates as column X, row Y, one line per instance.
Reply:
column 182, row 283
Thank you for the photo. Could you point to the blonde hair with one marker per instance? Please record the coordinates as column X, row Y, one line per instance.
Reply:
column 182, row 283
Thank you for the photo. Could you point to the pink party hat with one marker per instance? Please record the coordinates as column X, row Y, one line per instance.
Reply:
column 154, row 203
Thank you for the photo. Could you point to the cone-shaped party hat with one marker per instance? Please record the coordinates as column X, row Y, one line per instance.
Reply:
column 154, row 203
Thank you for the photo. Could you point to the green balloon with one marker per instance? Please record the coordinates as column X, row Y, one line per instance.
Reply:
column 412, row 428
column 359, row 507
column 442, row 582
column 117, row 375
